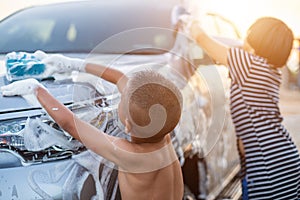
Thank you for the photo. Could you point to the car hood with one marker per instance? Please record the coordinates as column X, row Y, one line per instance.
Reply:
column 63, row 89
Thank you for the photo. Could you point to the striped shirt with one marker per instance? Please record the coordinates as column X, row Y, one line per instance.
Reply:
column 271, row 162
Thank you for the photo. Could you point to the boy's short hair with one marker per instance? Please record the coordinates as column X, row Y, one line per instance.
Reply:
column 271, row 39
column 147, row 88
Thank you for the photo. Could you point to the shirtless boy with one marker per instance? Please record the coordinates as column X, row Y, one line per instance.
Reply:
column 150, row 108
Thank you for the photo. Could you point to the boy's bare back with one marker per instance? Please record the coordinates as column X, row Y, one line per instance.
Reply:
column 165, row 183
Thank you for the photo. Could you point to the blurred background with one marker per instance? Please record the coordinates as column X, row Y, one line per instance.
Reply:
column 241, row 12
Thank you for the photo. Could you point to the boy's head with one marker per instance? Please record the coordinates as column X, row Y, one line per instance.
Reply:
column 272, row 39
column 151, row 105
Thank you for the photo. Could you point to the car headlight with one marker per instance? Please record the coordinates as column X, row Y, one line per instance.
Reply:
column 11, row 127
column 9, row 133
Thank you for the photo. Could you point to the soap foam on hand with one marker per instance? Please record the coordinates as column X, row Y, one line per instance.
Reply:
column 22, row 65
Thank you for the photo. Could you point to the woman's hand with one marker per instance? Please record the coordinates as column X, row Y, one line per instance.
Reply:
column 195, row 29
column 215, row 49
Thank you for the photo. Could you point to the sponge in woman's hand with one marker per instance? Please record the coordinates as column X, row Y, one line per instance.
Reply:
column 22, row 65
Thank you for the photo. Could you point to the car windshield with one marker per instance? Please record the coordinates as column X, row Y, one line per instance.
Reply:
column 79, row 28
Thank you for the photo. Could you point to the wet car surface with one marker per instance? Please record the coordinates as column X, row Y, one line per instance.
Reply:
column 63, row 168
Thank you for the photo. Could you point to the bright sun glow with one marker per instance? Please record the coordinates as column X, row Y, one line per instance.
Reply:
column 241, row 12
column 244, row 12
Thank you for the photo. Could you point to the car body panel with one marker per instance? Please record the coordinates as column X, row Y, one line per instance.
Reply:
column 205, row 130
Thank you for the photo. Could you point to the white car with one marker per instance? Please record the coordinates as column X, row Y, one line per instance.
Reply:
column 126, row 34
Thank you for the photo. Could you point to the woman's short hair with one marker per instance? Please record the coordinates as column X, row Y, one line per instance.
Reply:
column 272, row 39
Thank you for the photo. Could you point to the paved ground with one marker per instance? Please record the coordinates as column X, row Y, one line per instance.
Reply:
column 290, row 109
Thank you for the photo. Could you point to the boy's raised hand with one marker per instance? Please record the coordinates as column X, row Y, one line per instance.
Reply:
column 63, row 64
column 23, row 87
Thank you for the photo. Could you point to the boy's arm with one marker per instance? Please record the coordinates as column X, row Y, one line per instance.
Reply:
column 107, row 73
column 91, row 137
column 60, row 64
column 117, row 150
column 88, row 135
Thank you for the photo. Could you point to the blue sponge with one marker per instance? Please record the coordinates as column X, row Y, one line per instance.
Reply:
column 22, row 65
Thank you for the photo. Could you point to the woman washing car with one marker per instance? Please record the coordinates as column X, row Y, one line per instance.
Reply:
column 269, row 157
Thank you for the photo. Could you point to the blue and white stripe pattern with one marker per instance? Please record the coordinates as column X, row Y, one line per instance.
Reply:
column 271, row 159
